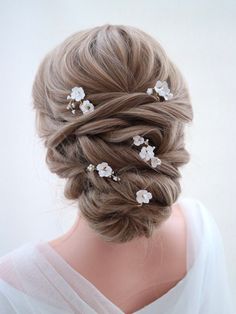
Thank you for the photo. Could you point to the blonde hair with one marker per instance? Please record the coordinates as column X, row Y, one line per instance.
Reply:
column 115, row 64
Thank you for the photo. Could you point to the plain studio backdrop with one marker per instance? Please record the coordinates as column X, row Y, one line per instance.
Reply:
column 199, row 36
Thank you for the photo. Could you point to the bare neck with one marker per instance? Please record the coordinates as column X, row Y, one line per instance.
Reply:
column 81, row 242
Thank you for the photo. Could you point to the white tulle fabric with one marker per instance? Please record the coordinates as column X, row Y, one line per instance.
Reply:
column 35, row 279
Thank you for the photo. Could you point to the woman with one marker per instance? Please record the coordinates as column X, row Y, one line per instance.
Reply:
column 111, row 109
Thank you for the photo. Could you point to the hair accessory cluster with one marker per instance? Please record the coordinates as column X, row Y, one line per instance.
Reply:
column 146, row 152
column 104, row 170
column 160, row 90
column 77, row 95
column 76, row 98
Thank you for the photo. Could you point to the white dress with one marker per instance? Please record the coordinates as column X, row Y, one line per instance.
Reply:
column 35, row 279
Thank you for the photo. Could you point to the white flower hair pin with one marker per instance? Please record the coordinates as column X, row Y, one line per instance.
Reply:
column 143, row 196
column 76, row 96
column 104, row 170
column 161, row 89
column 146, row 152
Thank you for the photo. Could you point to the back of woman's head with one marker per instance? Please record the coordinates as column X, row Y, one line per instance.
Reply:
column 115, row 65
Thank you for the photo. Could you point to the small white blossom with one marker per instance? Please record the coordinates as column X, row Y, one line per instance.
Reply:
column 147, row 152
column 162, row 89
column 149, row 91
column 138, row 140
column 115, row 178
column 143, row 196
column 77, row 93
column 155, row 161
column 104, row 170
column 71, row 107
column 90, row 167
column 86, row 106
